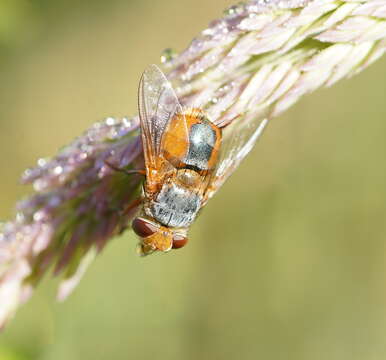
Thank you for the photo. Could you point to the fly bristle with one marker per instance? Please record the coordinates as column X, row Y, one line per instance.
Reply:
column 196, row 113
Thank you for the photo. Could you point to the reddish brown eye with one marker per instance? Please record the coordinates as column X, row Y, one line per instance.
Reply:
column 143, row 228
column 179, row 241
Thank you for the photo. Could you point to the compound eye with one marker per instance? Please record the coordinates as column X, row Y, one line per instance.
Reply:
column 179, row 241
column 143, row 227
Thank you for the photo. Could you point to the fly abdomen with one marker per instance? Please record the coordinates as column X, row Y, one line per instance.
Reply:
column 175, row 206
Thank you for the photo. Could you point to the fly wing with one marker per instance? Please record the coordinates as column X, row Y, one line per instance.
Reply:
column 238, row 140
column 158, row 104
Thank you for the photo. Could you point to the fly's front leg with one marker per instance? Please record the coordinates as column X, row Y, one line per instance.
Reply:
column 127, row 172
column 132, row 206
column 130, row 210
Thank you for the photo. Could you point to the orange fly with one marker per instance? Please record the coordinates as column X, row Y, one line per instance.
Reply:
column 186, row 160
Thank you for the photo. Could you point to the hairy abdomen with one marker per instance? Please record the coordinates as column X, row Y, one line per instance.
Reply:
column 175, row 205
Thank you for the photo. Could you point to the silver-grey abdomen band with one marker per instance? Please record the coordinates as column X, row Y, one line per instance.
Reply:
column 175, row 206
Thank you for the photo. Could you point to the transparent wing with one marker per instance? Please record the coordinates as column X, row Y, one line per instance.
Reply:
column 158, row 104
column 238, row 140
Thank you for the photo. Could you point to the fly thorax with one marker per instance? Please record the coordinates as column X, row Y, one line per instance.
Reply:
column 202, row 139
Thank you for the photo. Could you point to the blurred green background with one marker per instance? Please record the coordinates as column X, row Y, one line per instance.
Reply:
column 287, row 262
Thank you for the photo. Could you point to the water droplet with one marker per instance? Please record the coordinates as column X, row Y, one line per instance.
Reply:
column 27, row 173
column 213, row 101
column 103, row 171
column 229, row 11
column 40, row 184
column 168, row 55
column 39, row 215
column 42, row 162
column 110, row 121
column 82, row 156
column 208, row 32
column 235, row 9
column 20, row 217
column 223, row 89
column 126, row 122
column 57, row 170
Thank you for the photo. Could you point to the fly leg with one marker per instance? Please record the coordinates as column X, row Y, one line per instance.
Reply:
column 129, row 211
column 127, row 172
column 132, row 206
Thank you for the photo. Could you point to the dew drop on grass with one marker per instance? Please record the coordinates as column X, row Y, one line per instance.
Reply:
column 167, row 56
